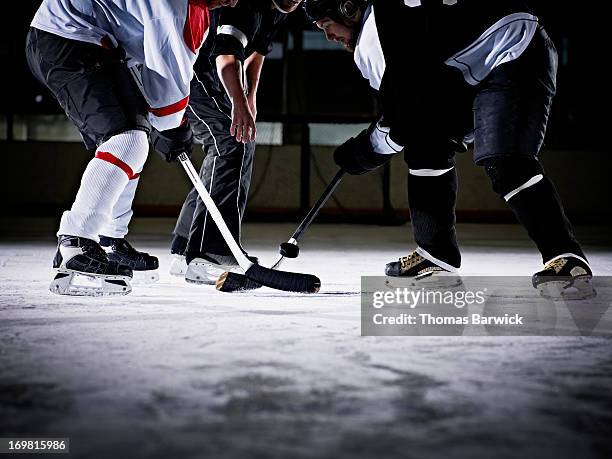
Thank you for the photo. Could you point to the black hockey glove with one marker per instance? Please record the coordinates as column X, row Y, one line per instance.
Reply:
column 172, row 143
column 356, row 156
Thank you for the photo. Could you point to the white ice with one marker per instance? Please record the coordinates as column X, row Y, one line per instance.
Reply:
column 180, row 371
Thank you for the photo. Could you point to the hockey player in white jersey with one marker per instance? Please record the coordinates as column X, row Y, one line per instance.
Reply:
column 117, row 67
column 441, row 69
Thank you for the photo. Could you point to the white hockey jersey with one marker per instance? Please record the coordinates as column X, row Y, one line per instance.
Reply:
column 161, row 39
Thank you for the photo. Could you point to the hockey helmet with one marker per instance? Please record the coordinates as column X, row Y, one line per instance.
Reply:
column 286, row 6
column 337, row 10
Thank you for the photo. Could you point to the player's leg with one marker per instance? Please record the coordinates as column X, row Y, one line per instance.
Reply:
column 437, row 120
column 432, row 193
column 178, row 266
column 80, row 77
column 511, row 115
column 113, row 232
column 202, row 108
column 226, row 173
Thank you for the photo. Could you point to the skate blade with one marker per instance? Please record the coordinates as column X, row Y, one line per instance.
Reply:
column 178, row 267
column 580, row 289
column 439, row 280
column 77, row 284
column 145, row 277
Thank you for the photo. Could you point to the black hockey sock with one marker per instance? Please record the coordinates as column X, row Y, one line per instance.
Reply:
column 432, row 211
column 540, row 211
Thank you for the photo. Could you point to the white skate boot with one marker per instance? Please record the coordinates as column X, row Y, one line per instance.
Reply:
column 178, row 267
column 207, row 268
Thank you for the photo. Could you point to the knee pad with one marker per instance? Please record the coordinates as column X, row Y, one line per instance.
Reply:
column 129, row 148
column 510, row 175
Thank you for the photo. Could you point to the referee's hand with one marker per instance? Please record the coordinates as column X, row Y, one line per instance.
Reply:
column 243, row 122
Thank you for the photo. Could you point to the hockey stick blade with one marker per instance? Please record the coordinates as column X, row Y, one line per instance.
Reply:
column 280, row 280
column 230, row 282
column 233, row 282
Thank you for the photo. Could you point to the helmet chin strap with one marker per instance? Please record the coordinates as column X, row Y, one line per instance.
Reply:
column 277, row 6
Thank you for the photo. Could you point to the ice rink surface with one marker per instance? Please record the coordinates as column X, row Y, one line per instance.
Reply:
column 182, row 371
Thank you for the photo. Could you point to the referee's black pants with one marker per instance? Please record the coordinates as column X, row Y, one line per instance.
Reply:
column 226, row 173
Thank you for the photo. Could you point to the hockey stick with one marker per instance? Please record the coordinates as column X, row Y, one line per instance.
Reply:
column 280, row 280
column 232, row 282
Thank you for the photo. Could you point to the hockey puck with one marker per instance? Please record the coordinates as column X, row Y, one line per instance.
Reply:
column 289, row 250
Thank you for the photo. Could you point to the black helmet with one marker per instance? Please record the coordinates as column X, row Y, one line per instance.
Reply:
column 338, row 10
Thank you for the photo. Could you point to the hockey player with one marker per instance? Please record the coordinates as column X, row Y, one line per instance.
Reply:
column 441, row 68
column 90, row 54
column 222, row 112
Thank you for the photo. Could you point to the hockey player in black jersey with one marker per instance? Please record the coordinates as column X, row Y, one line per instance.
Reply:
column 441, row 69
column 222, row 113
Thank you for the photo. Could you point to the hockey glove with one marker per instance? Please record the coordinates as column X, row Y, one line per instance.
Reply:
column 172, row 143
column 357, row 157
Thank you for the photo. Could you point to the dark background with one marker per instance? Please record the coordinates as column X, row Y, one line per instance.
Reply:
column 579, row 119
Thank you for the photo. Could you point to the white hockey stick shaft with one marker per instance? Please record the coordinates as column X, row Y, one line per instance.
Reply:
column 243, row 261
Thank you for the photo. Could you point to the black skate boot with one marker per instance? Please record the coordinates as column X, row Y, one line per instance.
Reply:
column 565, row 278
column 422, row 272
column 121, row 251
column 85, row 270
column 207, row 268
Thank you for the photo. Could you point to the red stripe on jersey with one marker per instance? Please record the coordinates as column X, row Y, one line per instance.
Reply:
column 196, row 25
column 110, row 158
column 171, row 109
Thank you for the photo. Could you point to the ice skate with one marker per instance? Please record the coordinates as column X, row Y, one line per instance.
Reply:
column 142, row 264
column 206, row 269
column 178, row 266
column 567, row 277
column 84, row 270
column 417, row 271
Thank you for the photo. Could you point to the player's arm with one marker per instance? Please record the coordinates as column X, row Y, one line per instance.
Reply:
column 167, row 71
column 253, row 65
column 235, row 32
column 370, row 149
column 230, row 70
column 171, row 48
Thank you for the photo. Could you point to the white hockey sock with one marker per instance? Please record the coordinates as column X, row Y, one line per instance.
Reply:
column 122, row 213
column 104, row 181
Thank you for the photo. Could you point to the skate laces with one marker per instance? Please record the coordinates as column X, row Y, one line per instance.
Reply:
column 411, row 260
column 556, row 265
column 124, row 246
column 94, row 251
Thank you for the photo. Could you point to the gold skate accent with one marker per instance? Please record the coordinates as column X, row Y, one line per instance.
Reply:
column 555, row 265
column 410, row 261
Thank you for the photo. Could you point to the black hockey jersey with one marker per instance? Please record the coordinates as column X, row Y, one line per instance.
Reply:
column 248, row 28
column 410, row 48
